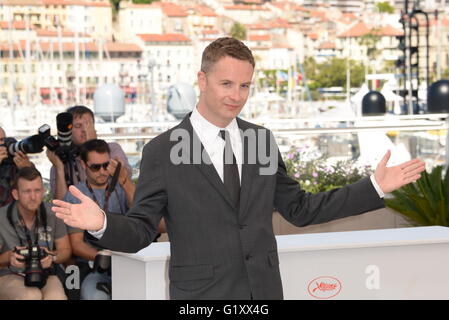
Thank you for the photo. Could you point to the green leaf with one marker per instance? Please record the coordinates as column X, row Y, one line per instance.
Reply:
column 424, row 202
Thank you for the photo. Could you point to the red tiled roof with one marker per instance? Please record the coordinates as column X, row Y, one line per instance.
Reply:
column 122, row 47
column 18, row 25
column 54, row 33
column 433, row 22
column 327, row 45
column 318, row 14
column 172, row 9
column 205, row 11
column 167, row 37
column 82, row 3
column 246, row 7
column 390, row 31
column 257, row 26
column 361, row 29
column 357, row 30
column 313, row 36
column 279, row 23
column 256, row 37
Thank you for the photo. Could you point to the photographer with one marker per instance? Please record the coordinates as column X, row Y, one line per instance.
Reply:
column 114, row 194
column 8, row 168
column 83, row 129
column 32, row 241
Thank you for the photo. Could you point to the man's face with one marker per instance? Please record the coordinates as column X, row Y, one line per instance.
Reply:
column 96, row 172
column 83, row 128
column 224, row 90
column 29, row 194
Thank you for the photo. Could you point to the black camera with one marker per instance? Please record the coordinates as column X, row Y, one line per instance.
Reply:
column 35, row 276
column 102, row 263
column 32, row 144
column 62, row 146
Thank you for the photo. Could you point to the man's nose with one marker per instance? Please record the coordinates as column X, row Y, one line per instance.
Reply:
column 235, row 94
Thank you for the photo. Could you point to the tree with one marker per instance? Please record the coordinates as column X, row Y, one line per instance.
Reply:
column 370, row 41
column 332, row 73
column 384, row 7
column 143, row 1
column 238, row 31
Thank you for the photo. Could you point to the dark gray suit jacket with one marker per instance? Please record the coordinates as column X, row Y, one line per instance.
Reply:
column 219, row 251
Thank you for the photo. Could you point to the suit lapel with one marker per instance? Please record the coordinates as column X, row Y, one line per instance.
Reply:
column 249, row 143
column 205, row 166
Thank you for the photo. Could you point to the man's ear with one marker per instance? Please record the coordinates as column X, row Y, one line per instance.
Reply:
column 201, row 80
column 15, row 194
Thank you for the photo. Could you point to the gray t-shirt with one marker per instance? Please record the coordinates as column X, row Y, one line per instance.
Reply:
column 9, row 237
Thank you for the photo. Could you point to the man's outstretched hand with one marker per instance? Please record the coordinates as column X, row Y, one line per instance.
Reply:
column 87, row 215
column 392, row 178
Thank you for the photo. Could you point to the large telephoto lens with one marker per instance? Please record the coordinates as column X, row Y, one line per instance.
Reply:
column 64, row 124
column 32, row 144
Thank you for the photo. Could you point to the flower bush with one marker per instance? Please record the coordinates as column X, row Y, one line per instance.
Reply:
column 316, row 172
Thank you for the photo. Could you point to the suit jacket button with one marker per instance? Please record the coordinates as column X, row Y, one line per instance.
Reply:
column 247, row 257
column 242, row 226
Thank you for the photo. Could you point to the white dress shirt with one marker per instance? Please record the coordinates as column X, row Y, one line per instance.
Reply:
column 210, row 138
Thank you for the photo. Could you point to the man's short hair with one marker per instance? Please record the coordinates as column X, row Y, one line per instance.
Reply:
column 96, row 145
column 79, row 111
column 27, row 173
column 223, row 47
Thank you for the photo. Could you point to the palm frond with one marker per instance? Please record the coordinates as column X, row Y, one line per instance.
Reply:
column 424, row 202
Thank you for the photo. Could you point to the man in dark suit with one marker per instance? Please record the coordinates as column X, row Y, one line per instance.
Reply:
column 210, row 179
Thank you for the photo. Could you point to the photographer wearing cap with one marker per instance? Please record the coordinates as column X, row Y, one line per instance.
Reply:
column 8, row 169
column 32, row 241
column 83, row 129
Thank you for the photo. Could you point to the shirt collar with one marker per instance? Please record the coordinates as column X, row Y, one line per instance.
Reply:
column 207, row 131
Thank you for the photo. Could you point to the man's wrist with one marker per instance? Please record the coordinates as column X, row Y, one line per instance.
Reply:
column 377, row 186
column 99, row 233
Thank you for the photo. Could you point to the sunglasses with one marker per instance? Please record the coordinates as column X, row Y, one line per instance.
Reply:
column 97, row 166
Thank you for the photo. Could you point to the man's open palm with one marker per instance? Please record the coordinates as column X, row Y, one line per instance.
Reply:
column 392, row 178
column 87, row 215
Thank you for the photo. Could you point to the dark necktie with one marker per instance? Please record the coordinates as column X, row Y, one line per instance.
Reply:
column 231, row 177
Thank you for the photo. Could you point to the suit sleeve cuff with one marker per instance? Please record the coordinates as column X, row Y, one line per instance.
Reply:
column 376, row 186
column 98, row 234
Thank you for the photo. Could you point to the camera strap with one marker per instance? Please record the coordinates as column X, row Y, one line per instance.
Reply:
column 107, row 195
column 71, row 171
column 42, row 212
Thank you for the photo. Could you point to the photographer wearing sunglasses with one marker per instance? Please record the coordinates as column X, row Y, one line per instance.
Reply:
column 108, row 184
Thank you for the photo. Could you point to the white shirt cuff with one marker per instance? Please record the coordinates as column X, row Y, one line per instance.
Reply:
column 98, row 234
column 376, row 186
